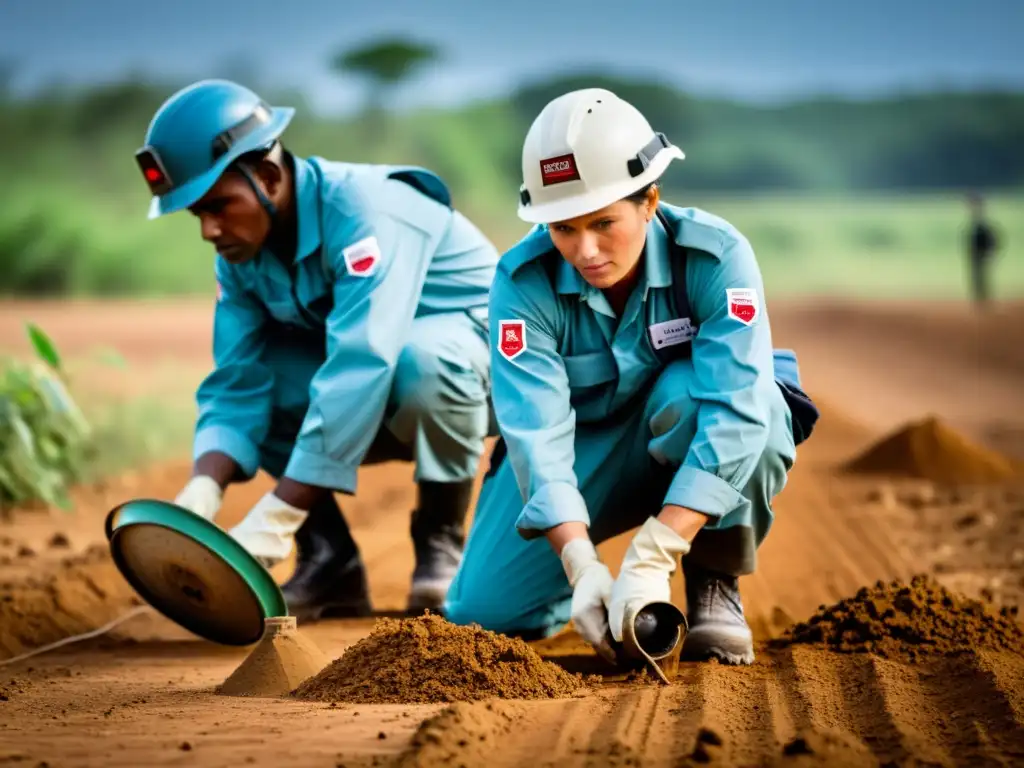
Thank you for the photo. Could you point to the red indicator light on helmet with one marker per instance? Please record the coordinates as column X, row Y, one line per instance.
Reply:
column 153, row 171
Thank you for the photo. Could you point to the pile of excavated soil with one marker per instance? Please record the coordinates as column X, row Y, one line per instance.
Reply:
column 909, row 622
column 82, row 593
column 461, row 734
column 931, row 450
column 428, row 659
column 282, row 660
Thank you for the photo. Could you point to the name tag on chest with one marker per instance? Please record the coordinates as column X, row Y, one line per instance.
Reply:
column 672, row 332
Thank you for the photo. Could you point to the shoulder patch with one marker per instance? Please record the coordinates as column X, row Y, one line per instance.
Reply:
column 511, row 338
column 743, row 304
column 363, row 257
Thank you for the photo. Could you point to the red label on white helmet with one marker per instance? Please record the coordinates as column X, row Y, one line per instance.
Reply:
column 555, row 170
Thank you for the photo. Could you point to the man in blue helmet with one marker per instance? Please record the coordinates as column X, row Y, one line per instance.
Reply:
column 350, row 327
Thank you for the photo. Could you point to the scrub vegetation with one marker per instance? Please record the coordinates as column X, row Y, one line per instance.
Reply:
column 44, row 438
column 837, row 197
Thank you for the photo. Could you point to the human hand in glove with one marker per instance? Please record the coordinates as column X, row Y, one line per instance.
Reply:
column 646, row 569
column 202, row 496
column 591, row 582
column 268, row 529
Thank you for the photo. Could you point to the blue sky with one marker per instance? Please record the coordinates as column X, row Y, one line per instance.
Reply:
column 758, row 50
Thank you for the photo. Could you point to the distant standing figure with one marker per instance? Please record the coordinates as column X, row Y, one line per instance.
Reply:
column 981, row 244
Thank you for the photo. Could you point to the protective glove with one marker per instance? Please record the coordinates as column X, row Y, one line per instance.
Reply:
column 591, row 582
column 268, row 529
column 646, row 570
column 202, row 496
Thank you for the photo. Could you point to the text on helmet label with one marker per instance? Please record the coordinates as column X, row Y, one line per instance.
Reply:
column 555, row 170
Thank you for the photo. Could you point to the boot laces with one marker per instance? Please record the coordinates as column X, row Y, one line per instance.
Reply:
column 717, row 593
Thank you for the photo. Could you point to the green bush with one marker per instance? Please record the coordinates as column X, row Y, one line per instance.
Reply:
column 45, row 440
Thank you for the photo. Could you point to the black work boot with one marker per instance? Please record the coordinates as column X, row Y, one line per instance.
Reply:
column 329, row 579
column 438, row 539
column 717, row 626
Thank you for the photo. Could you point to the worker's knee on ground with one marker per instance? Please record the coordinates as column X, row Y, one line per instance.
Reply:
column 506, row 593
column 480, row 606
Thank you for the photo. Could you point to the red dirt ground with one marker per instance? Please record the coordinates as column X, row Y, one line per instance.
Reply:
column 143, row 694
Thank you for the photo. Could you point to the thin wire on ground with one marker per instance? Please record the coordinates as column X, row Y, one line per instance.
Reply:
column 78, row 638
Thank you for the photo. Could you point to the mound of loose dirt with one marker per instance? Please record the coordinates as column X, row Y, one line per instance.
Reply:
column 282, row 660
column 933, row 451
column 908, row 622
column 428, row 659
column 82, row 593
column 461, row 734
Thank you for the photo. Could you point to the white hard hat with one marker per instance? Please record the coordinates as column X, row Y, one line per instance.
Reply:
column 588, row 149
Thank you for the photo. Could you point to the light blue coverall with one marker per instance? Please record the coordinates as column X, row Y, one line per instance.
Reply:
column 600, row 432
column 310, row 365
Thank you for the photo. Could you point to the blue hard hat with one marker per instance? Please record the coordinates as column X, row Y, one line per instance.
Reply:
column 197, row 133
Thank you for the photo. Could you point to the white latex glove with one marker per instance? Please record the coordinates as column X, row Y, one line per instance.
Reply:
column 268, row 529
column 591, row 582
column 646, row 569
column 202, row 496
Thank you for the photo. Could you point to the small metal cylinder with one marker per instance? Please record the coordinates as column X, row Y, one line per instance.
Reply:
column 279, row 625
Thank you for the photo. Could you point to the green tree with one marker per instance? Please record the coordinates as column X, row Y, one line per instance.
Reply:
column 385, row 64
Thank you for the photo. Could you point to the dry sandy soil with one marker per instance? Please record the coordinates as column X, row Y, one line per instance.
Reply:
column 142, row 695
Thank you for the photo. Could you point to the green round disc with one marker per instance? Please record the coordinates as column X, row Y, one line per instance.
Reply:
column 192, row 571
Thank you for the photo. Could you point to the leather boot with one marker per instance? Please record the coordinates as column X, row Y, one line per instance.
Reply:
column 329, row 578
column 438, row 539
column 717, row 626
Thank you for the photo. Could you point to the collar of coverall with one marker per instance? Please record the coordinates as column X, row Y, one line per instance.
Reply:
column 307, row 209
column 657, row 270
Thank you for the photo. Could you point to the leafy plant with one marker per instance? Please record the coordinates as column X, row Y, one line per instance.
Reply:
column 44, row 438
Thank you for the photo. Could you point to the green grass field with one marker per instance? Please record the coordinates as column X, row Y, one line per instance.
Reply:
column 898, row 245
column 888, row 246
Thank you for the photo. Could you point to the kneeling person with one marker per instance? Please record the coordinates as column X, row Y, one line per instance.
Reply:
column 634, row 384
column 349, row 328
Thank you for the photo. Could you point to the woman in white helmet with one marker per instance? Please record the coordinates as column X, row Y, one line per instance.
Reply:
column 635, row 384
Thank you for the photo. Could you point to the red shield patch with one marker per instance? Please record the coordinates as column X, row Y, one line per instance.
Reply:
column 363, row 265
column 361, row 258
column 743, row 304
column 512, row 338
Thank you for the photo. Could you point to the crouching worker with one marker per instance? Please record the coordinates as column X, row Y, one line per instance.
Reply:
column 349, row 328
column 634, row 384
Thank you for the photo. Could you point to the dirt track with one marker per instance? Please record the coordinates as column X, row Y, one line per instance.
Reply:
column 142, row 695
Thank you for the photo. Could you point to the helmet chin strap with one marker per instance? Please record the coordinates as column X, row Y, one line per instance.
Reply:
column 268, row 206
